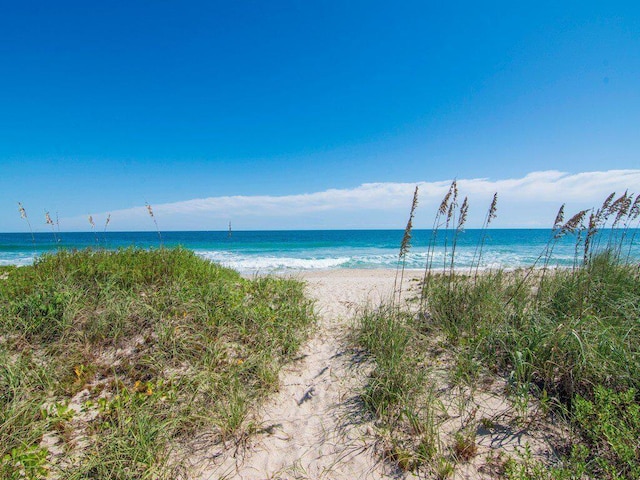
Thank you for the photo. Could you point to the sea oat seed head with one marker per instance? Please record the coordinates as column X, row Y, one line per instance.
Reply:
column 574, row 222
column 406, row 239
column 493, row 208
column 444, row 205
column 634, row 211
column 559, row 218
column 607, row 202
column 463, row 213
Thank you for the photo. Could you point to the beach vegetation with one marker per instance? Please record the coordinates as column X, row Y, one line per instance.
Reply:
column 111, row 361
column 533, row 353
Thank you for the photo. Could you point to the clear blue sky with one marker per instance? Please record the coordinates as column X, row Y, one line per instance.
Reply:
column 106, row 105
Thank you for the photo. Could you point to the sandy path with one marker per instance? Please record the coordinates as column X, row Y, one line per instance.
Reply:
column 314, row 423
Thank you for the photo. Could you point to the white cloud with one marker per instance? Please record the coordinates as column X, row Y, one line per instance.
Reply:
column 528, row 201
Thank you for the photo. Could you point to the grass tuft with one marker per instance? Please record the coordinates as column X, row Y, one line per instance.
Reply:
column 140, row 349
column 565, row 344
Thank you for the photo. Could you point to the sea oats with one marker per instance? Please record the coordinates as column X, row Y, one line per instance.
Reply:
column 623, row 205
column 444, row 205
column 607, row 202
column 634, row 211
column 463, row 213
column 559, row 218
column 574, row 222
column 404, row 247
column 150, row 210
column 493, row 208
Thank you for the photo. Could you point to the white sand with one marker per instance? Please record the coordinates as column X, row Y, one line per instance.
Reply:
column 315, row 421
column 313, row 428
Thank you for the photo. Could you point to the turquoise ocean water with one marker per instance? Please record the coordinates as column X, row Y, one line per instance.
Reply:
column 283, row 251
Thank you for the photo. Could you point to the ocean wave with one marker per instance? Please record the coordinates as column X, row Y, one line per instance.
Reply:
column 16, row 260
column 465, row 258
column 268, row 263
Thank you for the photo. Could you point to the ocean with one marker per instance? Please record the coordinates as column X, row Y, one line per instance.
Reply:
column 287, row 251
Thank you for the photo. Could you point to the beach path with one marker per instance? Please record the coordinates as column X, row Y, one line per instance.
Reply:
column 314, row 426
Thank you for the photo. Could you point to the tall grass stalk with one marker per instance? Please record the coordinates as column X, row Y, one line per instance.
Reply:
column 153, row 217
column 437, row 224
column 106, row 224
column 49, row 221
column 450, row 220
column 491, row 214
column 405, row 245
column 93, row 228
column 620, row 207
column 571, row 226
column 23, row 215
column 634, row 214
column 597, row 223
column 462, row 218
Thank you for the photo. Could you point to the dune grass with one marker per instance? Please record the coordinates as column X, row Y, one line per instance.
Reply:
column 111, row 360
column 565, row 341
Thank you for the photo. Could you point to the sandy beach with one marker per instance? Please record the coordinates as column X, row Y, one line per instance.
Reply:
column 314, row 426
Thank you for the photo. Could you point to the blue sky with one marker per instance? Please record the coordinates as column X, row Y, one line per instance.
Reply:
column 217, row 111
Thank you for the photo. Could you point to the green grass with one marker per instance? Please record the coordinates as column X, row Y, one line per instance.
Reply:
column 570, row 343
column 577, row 331
column 161, row 344
column 566, row 342
column 398, row 392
